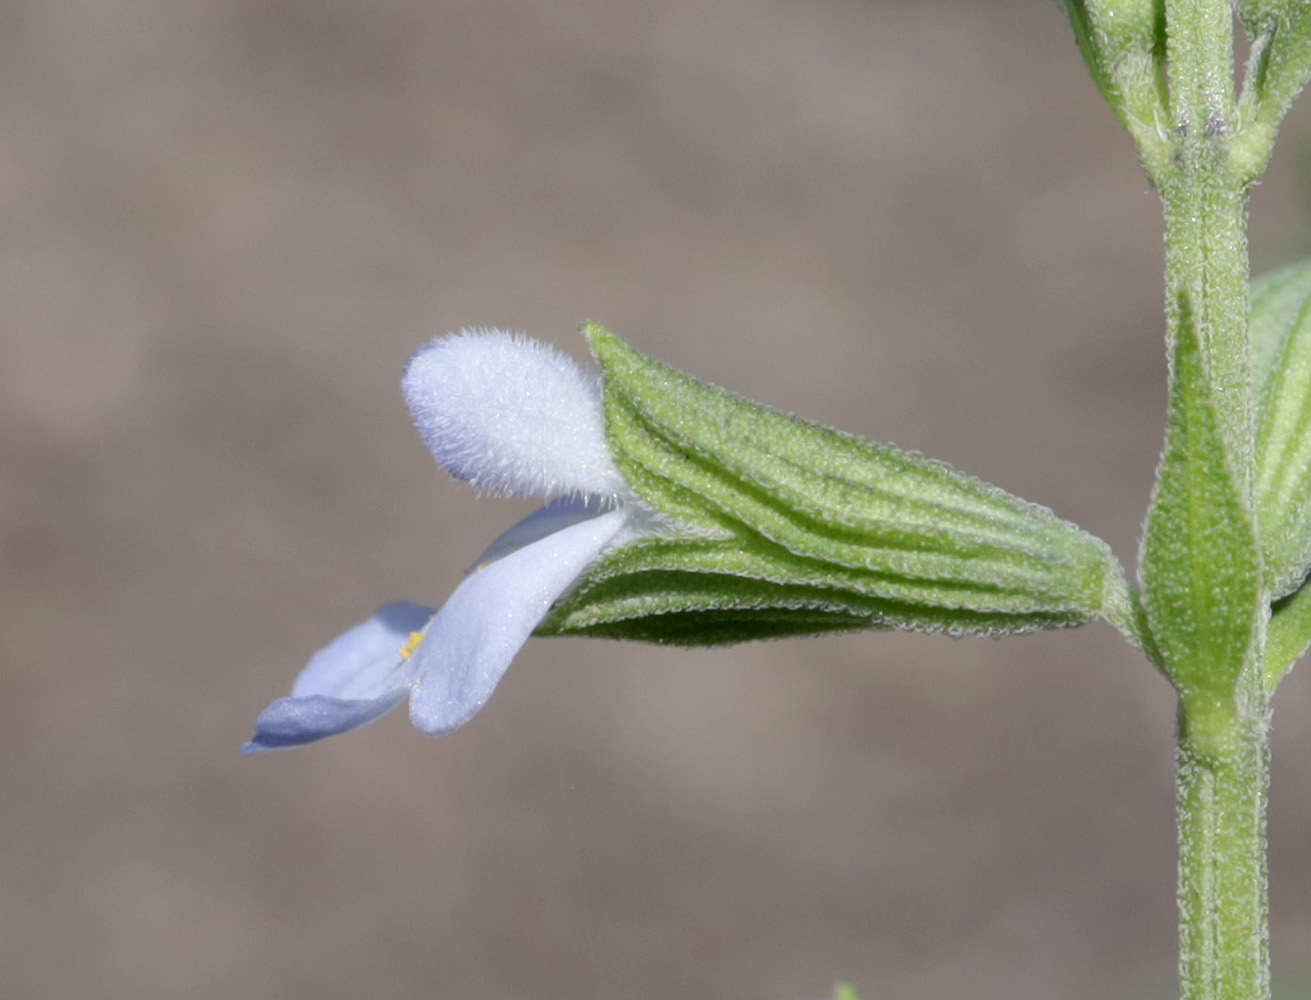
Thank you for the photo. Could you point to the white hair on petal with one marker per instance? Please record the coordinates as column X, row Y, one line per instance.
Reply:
column 511, row 415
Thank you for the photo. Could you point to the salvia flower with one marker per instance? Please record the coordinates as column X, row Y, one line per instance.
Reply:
column 680, row 513
column 513, row 417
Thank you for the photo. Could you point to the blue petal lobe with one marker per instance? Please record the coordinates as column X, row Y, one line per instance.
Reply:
column 473, row 638
column 361, row 661
column 358, row 677
column 293, row 722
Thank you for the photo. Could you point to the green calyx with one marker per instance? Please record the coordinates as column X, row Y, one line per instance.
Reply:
column 1278, row 67
column 1123, row 45
column 1280, row 328
column 786, row 527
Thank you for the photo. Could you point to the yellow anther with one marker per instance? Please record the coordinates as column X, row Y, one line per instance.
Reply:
column 411, row 645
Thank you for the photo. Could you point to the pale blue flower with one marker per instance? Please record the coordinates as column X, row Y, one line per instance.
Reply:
column 515, row 417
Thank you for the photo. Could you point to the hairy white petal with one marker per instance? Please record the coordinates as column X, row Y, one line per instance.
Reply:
column 511, row 415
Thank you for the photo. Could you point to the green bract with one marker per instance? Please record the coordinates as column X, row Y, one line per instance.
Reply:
column 1201, row 570
column 789, row 527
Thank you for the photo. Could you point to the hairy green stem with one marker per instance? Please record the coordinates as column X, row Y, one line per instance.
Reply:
column 1205, row 200
column 1224, row 940
column 1223, row 757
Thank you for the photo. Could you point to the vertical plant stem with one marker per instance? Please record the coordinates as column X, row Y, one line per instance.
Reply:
column 1206, row 268
column 1223, row 934
column 1206, row 284
column 1222, row 759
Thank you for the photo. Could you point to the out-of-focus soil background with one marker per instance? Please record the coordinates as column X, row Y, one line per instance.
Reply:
column 225, row 225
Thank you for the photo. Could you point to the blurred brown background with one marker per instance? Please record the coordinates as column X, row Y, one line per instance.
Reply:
column 225, row 225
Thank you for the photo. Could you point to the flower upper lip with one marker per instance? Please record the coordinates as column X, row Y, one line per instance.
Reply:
column 512, row 416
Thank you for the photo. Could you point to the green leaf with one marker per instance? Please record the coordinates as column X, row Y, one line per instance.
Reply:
column 1201, row 571
column 845, row 991
column 1281, row 339
column 794, row 528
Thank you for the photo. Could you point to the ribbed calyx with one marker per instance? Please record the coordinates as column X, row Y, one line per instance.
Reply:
column 779, row 526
